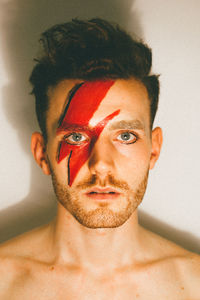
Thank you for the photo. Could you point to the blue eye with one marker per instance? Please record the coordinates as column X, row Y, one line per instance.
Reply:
column 75, row 138
column 127, row 137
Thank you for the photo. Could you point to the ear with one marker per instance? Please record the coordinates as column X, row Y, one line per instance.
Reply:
column 38, row 149
column 157, row 139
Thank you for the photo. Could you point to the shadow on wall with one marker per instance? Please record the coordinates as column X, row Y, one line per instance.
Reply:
column 182, row 238
column 21, row 25
column 22, row 22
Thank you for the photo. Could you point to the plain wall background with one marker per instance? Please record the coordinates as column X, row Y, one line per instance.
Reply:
column 172, row 29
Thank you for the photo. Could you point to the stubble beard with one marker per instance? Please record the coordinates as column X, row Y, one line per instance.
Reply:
column 103, row 216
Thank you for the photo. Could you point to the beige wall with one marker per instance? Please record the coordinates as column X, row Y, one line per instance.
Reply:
column 171, row 205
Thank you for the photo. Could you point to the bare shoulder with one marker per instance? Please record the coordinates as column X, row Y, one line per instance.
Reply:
column 173, row 259
column 189, row 267
column 27, row 244
column 17, row 257
column 12, row 270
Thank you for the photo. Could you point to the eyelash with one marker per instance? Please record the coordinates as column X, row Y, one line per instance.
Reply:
column 70, row 134
column 130, row 132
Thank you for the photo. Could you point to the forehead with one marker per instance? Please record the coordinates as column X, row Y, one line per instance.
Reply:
column 130, row 96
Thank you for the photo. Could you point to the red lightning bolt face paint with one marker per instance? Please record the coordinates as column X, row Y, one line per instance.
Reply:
column 84, row 100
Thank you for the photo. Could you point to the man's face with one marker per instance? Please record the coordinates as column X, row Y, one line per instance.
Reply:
column 99, row 148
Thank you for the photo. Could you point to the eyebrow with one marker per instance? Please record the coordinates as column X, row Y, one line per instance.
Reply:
column 132, row 124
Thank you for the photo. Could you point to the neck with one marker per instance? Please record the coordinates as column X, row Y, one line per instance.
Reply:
column 106, row 248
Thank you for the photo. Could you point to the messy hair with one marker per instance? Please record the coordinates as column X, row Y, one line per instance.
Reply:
column 90, row 50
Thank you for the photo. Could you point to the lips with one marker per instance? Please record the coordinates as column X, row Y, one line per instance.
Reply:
column 102, row 193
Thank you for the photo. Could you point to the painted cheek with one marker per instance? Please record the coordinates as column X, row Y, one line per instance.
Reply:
column 79, row 154
column 82, row 104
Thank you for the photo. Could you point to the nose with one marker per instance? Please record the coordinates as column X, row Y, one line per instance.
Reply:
column 101, row 160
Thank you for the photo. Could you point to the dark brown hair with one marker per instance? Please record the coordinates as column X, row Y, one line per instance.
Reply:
column 90, row 50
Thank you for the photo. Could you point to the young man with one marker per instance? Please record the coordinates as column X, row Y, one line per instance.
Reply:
column 96, row 101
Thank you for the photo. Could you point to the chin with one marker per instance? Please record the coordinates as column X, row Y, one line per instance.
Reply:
column 103, row 218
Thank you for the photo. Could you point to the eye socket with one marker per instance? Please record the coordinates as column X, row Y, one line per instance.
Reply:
column 127, row 137
column 75, row 138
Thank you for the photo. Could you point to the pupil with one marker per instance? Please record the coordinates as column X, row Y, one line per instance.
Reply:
column 77, row 137
column 126, row 136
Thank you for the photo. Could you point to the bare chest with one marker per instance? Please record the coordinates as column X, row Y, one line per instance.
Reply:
column 78, row 286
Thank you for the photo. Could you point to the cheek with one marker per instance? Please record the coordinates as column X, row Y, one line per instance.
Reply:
column 134, row 157
column 58, row 169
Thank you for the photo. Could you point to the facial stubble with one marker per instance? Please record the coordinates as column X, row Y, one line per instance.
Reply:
column 102, row 216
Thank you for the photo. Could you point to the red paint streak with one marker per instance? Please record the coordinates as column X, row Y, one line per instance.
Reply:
column 81, row 109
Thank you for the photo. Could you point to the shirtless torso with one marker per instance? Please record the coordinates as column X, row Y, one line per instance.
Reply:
column 31, row 269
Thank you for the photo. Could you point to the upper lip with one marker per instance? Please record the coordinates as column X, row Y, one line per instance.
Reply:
column 102, row 190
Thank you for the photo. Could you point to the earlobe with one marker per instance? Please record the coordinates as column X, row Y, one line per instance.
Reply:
column 157, row 139
column 39, row 152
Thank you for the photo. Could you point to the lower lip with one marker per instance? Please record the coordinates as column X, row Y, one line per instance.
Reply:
column 103, row 196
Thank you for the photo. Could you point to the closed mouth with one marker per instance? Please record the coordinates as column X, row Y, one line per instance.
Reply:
column 102, row 193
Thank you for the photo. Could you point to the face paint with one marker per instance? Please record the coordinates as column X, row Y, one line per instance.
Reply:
column 82, row 104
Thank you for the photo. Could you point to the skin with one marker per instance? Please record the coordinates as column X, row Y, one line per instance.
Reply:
column 87, row 254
